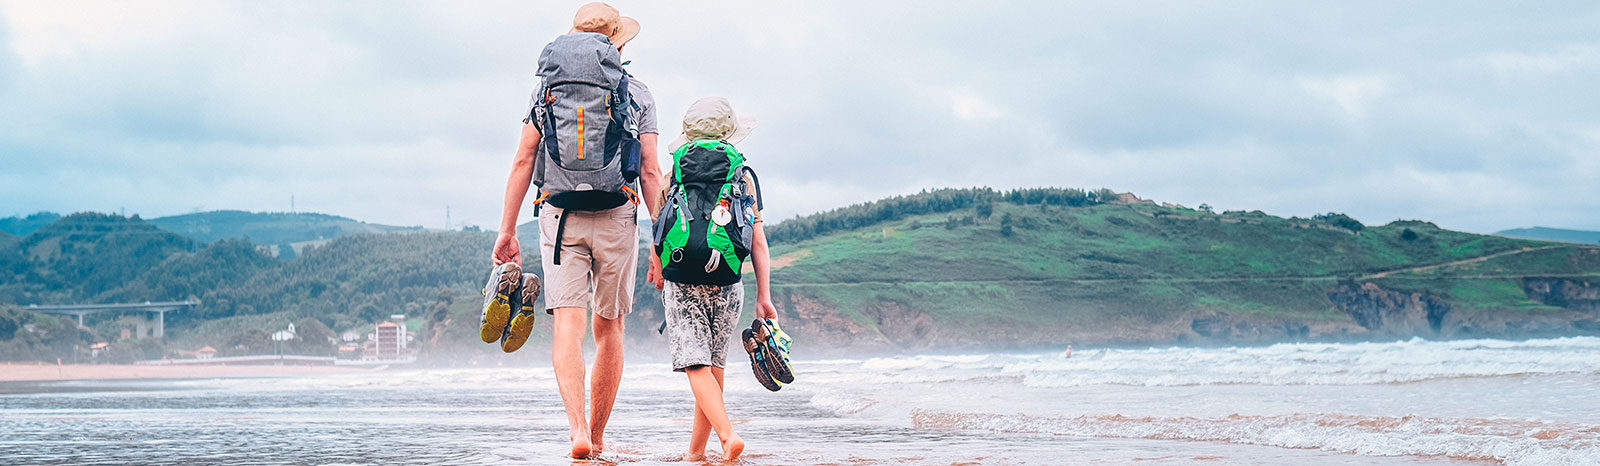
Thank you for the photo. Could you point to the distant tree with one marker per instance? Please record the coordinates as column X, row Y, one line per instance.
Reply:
column 285, row 251
column 985, row 210
column 1103, row 195
column 1341, row 220
column 1408, row 235
column 1207, row 208
column 1005, row 225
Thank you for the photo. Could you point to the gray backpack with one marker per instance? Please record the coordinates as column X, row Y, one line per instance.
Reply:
column 589, row 154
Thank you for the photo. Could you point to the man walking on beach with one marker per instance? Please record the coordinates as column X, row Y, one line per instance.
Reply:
column 593, row 267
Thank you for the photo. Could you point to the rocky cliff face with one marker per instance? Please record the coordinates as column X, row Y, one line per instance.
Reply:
column 1577, row 295
column 1391, row 312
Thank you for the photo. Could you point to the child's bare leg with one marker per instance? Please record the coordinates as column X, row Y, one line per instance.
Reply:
column 702, row 426
column 707, row 389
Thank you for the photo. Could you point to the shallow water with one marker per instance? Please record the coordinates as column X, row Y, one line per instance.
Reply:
column 1414, row 402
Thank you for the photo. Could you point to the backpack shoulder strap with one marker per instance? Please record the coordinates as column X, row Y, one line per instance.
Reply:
column 547, row 125
column 760, row 201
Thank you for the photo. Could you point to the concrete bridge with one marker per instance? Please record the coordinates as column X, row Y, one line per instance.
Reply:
column 156, row 311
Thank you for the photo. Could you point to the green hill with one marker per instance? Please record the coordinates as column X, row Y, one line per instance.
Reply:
column 944, row 269
column 22, row 226
column 1018, row 273
column 1553, row 234
column 268, row 228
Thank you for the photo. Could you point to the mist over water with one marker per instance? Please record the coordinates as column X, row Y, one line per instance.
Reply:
column 1410, row 402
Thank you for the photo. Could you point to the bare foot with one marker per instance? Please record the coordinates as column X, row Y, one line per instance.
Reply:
column 580, row 447
column 694, row 457
column 732, row 448
column 597, row 444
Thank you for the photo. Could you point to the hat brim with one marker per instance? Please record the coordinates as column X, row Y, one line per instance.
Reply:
column 625, row 32
column 627, row 29
column 746, row 125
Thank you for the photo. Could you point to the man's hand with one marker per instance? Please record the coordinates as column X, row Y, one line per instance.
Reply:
column 507, row 249
column 765, row 309
column 654, row 275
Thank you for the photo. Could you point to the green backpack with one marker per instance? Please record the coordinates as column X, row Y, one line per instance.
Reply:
column 705, row 228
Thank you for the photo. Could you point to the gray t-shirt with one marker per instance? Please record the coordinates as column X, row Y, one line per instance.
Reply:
column 637, row 90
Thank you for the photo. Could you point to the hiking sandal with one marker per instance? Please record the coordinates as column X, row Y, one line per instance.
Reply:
column 754, row 347
column 777, row 352
column 504, row 281
column 522, row 323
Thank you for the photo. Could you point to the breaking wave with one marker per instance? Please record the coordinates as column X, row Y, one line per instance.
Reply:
column 1409, row 361
column 1508, row 441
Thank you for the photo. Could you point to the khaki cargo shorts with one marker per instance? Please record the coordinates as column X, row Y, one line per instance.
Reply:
column 599, row 252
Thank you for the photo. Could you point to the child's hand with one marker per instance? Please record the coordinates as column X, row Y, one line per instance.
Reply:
column 765, row 309
column 507, row 249
column 654, row 274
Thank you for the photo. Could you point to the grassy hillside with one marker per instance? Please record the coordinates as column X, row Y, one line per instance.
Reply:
column 22, row 226
column 941, row 269
column 1043, row 274
column 268, row 228
column 1553, row 234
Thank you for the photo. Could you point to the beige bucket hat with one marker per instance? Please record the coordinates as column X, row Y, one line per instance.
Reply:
column 604, row 19
column 713, row 118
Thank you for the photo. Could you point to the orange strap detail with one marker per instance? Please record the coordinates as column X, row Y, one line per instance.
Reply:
column 542, row 195
column 632, row 196
column 580, row 133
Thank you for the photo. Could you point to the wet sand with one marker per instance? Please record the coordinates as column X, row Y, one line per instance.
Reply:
column 15, row 372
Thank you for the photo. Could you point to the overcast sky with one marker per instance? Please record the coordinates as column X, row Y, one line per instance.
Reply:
column 1479, row 118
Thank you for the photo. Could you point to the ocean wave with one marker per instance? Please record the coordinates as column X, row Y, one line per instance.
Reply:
column 840, row 403
column 1508, row 441
column 1407, row 361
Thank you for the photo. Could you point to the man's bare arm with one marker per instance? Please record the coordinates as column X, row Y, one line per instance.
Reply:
column 506, row 247
column 650, row 172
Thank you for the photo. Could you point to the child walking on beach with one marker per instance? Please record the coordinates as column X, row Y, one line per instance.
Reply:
column 708, row 226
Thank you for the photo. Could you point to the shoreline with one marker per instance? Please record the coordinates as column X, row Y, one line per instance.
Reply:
column 13, row 372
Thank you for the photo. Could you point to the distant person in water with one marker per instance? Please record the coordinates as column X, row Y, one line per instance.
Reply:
column 708, row 225
column 588, row 238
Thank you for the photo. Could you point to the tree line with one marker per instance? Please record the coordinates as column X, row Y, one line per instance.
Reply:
column 928, row 202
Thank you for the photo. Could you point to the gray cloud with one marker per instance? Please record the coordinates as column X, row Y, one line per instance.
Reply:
column 1478, row 117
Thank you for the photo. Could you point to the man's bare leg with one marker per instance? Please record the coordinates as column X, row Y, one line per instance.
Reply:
column 708, row 401
column 607, row 375
column 702, row 426
column 566, row 355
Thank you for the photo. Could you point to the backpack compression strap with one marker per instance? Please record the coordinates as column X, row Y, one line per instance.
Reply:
column 547, row 128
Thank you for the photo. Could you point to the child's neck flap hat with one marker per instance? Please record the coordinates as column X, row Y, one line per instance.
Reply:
column 713, row 118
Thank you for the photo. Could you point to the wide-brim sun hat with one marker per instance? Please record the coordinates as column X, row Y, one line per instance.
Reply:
column 601, row 18
column 714, row 118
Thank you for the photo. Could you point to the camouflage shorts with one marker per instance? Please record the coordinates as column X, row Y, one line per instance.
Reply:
column 701, row 319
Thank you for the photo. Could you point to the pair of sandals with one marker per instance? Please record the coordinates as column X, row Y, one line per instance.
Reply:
column 508, row 315
column 768, row 347
column 508, row 306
